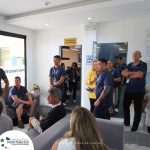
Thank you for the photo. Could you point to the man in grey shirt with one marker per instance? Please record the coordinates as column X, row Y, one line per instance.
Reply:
column 6, row 123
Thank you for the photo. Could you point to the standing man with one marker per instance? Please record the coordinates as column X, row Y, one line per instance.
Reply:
column 3, row 92
column 119, row 67
column 135, row 89
column 104, row 86
column 20, row 100
column 57, row 74
column 117, row 79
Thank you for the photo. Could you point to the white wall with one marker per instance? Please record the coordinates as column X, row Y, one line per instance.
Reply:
column 89, row 37
column 30, row 47
column 134, row 31
column 47, row 45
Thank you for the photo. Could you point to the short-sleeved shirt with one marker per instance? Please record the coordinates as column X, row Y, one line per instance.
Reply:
column 21, row 93
column 115, row 73
column 2, row 76
column 136, row 84
column 56, row 73
column 120, row 68
column 104, row 79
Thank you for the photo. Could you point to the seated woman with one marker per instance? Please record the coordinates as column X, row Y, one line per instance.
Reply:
column 83, row 133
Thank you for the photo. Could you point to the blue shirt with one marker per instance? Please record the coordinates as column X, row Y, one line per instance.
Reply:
column 19, row 92
column 56, row 73
column 104, row 79
column 136, row 84
column 115, row 73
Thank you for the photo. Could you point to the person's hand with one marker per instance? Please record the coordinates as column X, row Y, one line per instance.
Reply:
column 29, row 103
column 93, row 80
column 97, row 103
column 125, row 73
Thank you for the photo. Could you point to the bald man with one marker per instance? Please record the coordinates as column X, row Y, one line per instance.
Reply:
column 135, row 88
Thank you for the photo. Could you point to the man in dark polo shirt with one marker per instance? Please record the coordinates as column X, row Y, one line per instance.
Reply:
column 104, row 86
column 57, row 74
column 135, row 89
column 20, row 100
column 3, row 92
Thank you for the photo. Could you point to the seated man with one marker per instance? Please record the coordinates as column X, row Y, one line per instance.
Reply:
column 56, row 113
column 20, row 100
column 6, row 123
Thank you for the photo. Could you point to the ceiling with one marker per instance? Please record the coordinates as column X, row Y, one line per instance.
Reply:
column 35, row 14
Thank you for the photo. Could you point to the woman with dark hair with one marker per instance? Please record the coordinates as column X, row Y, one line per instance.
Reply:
column 78, row 138
column 73, row 75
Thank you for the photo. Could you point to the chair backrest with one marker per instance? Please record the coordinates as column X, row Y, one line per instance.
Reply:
column 111, row 132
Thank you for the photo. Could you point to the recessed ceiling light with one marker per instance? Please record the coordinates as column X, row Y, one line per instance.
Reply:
column 90, row 18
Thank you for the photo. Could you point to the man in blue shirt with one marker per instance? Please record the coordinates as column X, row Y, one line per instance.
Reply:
column 120, row 85
column 104, row 86
column 117, row 79
column 135, row 89
column 20, row 100
column 57, row 75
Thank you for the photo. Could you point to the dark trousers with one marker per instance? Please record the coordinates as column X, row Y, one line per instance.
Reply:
column 92, row 101
column 73, row 87
column 102, row 110
column 137, row 98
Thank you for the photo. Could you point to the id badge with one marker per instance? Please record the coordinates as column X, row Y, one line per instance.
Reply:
column 127, row 81
column 74, row 80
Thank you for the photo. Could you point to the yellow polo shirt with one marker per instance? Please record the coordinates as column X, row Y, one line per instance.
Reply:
column 91, row 75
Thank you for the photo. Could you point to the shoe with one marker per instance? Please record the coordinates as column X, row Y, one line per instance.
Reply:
column 133, row 129
column 20, row 124
column 116, row 110
column 148, row 130
column 67, row 101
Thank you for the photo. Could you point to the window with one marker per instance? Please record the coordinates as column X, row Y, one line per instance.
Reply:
column 12, row 56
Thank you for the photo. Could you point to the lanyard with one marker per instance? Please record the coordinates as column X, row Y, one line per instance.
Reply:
column 134, row 67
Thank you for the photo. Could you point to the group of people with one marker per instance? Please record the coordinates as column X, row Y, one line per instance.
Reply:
column 105, row 82
column 20, row 100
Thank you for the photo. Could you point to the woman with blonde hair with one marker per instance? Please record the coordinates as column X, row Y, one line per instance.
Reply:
column 83, row 134
column 91, row 83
